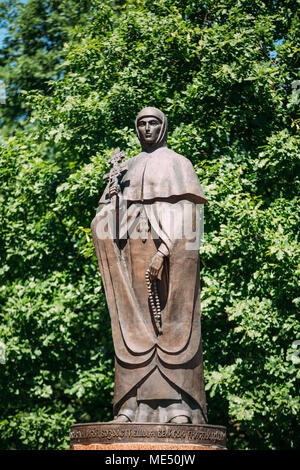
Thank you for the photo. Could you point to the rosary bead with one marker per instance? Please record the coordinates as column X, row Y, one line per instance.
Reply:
column 154, row 300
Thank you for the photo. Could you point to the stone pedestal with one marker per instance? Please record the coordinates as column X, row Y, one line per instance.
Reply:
column 147, row 436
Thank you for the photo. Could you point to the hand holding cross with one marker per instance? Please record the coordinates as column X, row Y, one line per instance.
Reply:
column 115, row 172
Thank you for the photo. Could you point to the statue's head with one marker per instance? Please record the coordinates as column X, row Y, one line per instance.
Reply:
column 151, row 128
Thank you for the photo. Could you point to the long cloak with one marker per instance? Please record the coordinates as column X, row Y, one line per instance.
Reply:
column 161, row 184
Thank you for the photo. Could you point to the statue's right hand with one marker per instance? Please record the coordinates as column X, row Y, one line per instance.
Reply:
column 113, row 190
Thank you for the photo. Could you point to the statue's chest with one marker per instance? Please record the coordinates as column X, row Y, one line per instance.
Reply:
column 144, row 174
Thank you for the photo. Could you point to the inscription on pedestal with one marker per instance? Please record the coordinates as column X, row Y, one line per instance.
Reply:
column 130, row 432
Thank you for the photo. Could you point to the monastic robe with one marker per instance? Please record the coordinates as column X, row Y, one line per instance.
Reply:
column 165, row 186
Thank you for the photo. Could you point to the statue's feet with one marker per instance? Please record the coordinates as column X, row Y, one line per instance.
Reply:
column 180, row 420
column 122, row 419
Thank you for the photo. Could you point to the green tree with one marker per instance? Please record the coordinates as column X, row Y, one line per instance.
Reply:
column 225, row 74
column 33, row 50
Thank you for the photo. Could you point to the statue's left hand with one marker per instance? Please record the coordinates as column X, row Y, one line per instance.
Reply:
column 156, row 265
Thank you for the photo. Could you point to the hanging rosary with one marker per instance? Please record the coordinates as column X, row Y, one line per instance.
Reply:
column 154, row 301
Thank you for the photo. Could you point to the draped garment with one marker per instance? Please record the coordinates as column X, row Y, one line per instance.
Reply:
column 164, row 187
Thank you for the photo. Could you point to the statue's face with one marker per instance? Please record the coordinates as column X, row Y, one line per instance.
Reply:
column 149, row 129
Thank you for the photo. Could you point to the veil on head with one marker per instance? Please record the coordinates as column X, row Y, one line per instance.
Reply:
column 154, row 112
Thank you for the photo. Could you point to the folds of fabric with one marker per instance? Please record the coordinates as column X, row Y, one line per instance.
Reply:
column 139, row 349
column 163, row 174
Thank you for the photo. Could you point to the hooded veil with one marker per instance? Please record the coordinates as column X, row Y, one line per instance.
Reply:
column 157, row 376
column 154, row 112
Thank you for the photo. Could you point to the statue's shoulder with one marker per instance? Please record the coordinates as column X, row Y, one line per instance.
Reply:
column 178, row 159
column 132, row 160
column 165, row 156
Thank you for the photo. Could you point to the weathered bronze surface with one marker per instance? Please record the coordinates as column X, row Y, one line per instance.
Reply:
column 149, row 263
column 120, row 433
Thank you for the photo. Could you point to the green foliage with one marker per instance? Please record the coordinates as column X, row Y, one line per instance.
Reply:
column 225, row 74
column 33, row 49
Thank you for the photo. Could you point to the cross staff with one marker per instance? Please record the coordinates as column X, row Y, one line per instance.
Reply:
column 114, row 173
column 114, row 188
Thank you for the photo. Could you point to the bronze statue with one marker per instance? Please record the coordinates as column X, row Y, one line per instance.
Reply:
column 148, row 252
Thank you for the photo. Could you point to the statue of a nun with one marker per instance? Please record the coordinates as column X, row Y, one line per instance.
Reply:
column 146, row 236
